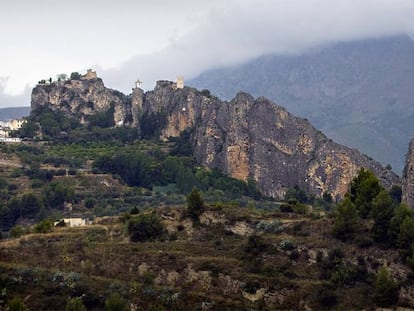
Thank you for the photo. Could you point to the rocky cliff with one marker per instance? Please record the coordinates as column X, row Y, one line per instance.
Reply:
column 359, row 92
column 408, row 176
column 83, row 96
column 244, row 137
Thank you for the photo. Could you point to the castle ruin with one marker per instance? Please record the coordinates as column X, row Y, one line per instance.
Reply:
column 90, row 75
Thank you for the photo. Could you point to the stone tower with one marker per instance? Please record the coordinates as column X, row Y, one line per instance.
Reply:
column 180, row 82
column 90, row 75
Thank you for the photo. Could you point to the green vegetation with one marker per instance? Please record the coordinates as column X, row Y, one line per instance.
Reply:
column 44, row 226
column 386, row 289
column 75, row 76
column 364, row 188
column 16, row 304
column 175, row 236
column 392, row 222
column 195, row 204
column 75, row 304
column 145, row 227
column 103, row 118
column 151, row 124
column 115, row 302
column 346, row 219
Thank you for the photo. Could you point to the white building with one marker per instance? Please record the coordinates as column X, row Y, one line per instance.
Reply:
column 73, row 222
column 15, row 124
column 4, row 131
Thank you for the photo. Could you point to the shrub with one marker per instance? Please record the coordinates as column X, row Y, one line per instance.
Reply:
column 56, row 193
column 75, row 304
column 287, row 245
column 300, row 209
column 297, row 194
column 72, row 172
column 286, row 208
column 134, row 211
column 195, row 204
column 206, row 93
column 43, row 226
column 12, row 187
column 294, row 255
column 145, row 227
column 16, row 304
column 115, row 302
column 60, row 172
column 75, row 76
column 326, row 297
column 17, row 231
column 274, row 226
column 255, row 245
column 90, row 203
column 251, row 286
column 386, row 289
column 3, row 183
column 37, row 183
column 364, row 241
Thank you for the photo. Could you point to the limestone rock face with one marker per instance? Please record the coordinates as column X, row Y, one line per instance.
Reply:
column 408, row 176
column 245, row 137
column 83, row 97
column 256, row 138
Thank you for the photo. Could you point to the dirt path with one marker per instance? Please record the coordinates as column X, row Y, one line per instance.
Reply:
column 9, row 243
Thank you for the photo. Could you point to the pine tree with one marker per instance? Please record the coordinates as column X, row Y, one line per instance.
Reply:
column 364, row 188
column 346, row 218
column 195, row 204
column 382, row 212
column 400, row 213
column 406, row 236
column 386, row 289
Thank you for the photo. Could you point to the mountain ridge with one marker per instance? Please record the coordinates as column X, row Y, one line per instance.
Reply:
column 358, row 93
column 245, row 138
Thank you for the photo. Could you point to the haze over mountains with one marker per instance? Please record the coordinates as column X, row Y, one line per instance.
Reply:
column 359, row 93
column 13, row 113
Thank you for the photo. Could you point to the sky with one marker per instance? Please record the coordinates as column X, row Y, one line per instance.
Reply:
column 126, row 40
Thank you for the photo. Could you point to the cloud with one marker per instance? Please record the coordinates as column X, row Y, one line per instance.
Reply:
column 7, row 100
column 243, row 30
column 152, row 40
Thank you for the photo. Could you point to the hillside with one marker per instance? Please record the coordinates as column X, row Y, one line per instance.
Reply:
column 358, row 93
column 246, row 138
column 237, row 259
column 162, row 229
column 13, row 113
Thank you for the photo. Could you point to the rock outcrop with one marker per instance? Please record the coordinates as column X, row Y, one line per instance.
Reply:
column 84, row 96
column 408, row 177
column 244, row 137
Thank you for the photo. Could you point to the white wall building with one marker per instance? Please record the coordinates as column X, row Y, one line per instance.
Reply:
column 74, row 222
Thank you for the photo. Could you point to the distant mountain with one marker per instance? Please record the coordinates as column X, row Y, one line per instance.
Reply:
column 13, row 113
column 359, row 93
